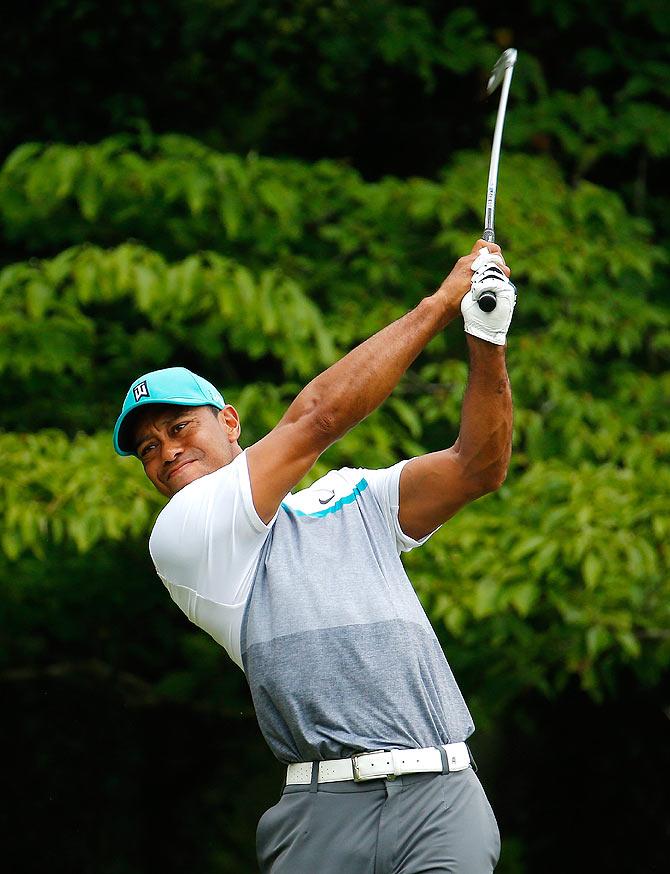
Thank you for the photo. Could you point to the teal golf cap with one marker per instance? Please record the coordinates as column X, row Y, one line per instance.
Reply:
column 174, row 385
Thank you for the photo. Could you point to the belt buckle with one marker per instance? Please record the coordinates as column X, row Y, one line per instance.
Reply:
column 361, row 778
column 458, row 756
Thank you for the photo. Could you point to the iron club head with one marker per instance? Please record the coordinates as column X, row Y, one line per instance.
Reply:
column 504, row 62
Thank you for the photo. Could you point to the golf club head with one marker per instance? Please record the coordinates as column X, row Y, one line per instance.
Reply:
column 504, row 62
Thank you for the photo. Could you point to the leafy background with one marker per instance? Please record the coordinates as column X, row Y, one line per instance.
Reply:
column 250, row 189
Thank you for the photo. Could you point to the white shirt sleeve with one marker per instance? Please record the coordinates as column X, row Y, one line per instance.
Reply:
column 385, row 486
column 205, row 546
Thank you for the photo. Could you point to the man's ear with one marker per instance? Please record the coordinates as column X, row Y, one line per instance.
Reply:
column 230, row 419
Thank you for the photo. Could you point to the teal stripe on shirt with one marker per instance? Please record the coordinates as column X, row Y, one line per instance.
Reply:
column 348, row 499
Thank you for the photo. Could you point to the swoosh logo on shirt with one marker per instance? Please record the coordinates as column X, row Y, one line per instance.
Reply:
column 329, row 498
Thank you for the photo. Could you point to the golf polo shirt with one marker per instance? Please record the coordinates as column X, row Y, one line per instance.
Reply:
column 316, row 608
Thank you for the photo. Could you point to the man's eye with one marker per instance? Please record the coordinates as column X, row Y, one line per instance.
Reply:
column 146, row 449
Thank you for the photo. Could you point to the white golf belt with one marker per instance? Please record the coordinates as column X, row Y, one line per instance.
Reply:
column 381, row 764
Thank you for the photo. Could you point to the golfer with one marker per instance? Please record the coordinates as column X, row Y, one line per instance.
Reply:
column 307, row 594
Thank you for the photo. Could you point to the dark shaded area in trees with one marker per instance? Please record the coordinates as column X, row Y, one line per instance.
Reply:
column 584, row 782
column 392, row 87
column 110, row 786
column 239, row 76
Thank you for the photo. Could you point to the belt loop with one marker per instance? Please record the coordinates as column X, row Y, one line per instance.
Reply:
column 445, row 760
column 314, row 784
column 472, row 759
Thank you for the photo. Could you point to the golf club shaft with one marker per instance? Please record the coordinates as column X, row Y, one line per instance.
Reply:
column 489, row 212
column 487, row 300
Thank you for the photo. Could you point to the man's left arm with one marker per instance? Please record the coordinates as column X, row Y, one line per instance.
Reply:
column 435, row 486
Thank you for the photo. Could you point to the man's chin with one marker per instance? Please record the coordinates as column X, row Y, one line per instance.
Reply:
column 190, row 472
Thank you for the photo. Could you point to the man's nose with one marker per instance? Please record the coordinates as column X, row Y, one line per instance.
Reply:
column 171, row 449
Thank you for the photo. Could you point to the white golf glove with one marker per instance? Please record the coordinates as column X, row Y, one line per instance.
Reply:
column 488, row 276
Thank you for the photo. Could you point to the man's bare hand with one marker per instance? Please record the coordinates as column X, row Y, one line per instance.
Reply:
column 457, row 284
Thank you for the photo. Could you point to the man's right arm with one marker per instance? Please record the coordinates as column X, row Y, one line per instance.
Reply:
column 350, row 390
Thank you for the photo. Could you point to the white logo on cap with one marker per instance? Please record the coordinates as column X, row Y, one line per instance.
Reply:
column 141, row 391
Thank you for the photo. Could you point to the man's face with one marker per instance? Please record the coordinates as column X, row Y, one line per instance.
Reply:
column 177, row 445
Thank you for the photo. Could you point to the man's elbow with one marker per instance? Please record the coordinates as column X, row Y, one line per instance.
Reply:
column 496, row 482
column 491, row 479
column 314, row 417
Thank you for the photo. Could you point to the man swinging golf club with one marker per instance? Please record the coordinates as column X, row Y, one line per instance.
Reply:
column 307, row 593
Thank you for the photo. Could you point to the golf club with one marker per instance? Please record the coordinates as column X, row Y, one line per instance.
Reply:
column 502, row 72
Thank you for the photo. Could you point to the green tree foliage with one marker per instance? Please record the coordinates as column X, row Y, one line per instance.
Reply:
column 289, row 265
column 388, row 84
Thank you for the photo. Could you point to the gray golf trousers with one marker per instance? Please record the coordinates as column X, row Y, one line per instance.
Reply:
column 414, row 824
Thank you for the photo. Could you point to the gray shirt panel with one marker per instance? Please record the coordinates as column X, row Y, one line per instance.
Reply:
column 338, row 651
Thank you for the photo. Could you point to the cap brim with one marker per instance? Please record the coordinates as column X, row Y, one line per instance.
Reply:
column 123, row 442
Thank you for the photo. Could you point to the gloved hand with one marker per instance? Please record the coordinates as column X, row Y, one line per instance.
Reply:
column 487, row 276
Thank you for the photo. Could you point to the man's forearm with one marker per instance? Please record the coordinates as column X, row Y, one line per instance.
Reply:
column 484, row 442
column 353, row 387
column 357, row 384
